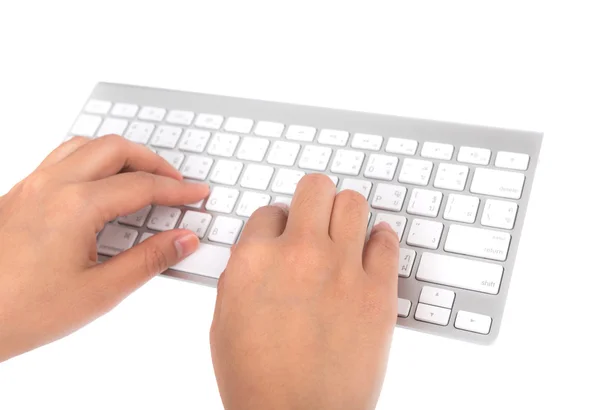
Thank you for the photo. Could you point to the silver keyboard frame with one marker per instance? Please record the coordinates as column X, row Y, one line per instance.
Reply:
column 458, row 135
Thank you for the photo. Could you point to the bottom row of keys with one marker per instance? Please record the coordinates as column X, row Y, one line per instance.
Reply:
column 472, row 322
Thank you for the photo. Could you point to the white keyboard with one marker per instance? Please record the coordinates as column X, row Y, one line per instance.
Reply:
column 455, row 194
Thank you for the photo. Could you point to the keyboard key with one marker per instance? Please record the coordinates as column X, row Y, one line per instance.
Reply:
column 222, row 199
column 503, row 184
column 194, row 140
column 269, row 129
column 437, row 297
column 226, row 172
column 415, row 171
column 451, row 176
column 334, row 179
column 112, row 126
column 432, row 314
column 208, row 260
column 460, row 273
column 196, row 222
column 152, row 113
column 473, row 322
column 406, row 262
column 166, row 136
column 196, row 167
column 145, row 236
column 115, row 239
column 283, row 153
column 225, row 230
column 483, row 243
column 250, row 202
column 223, row 144
column 282, row 200
column 210, row 121
column 401, row 146
column 461, row 208
column 163, row 218
column 381, row 167
column 347, row 162
column 425, row 234
column 253, row 149
column 137, row 218
column 180, row 117
column 359, row 185
column 424, row 202
column 315, row 157
column 97, row 107
column 124, row 110
column 172, row 157
column 388, row 197
column 196, row 205
column 139, row 132
column 512, row 160
column 367, row 141
column 404, row 307
column 499, row 214
column 241, row 125
column 333, row 137
column 437, row 150
column 397, row 222
column 286, row 180
column 86, row 125
column 257, row 177
column 477, row 156
column 300, row 133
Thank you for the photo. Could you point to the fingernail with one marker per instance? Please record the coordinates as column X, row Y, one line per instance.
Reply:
column 381, row 226
column 282, row 206
column 186, row 245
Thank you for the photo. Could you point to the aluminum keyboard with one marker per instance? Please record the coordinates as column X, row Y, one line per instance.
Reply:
column 455, row 194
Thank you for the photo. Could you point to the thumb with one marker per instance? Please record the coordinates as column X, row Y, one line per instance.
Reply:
column 122, row 274
column 381, row 255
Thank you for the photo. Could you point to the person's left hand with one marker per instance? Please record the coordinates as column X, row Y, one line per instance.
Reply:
column 50, row 282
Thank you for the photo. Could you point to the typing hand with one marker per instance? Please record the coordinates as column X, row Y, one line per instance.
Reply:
column 50, row 284
column 305, row 309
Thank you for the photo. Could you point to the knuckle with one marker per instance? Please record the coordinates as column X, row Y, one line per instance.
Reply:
column 36, row 183
column 156, row 260
column 301, row 252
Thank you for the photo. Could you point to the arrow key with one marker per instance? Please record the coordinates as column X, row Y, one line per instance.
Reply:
column 432, row 314
column 473, row 322
column 437, row 297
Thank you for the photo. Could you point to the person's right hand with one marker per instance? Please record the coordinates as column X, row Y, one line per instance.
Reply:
column 305, row 310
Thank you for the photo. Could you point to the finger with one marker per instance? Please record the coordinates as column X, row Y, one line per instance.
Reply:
column 266, row 222
column 311, row 206
column 114, row 279
column 123, row 194
column 63, row 150
column 110, row 155
column 381, row 254
column 348, row 226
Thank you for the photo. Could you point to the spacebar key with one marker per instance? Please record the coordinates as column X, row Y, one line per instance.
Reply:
column 208, row 260
column 460, row 273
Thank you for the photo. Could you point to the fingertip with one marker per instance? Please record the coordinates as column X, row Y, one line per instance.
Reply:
column 383, row 226
column 186, row 244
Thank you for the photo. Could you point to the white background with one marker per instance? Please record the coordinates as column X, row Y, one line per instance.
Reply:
column 517, row 65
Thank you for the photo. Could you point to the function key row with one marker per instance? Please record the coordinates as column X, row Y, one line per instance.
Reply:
column 433, row 150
